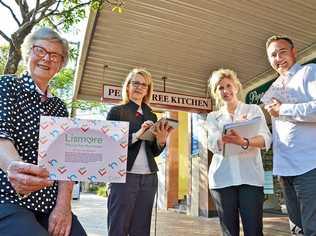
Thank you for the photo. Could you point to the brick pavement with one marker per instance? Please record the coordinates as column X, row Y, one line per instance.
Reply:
column 91, row 210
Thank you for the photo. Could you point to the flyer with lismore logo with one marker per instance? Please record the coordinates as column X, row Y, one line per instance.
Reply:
column 83, row 150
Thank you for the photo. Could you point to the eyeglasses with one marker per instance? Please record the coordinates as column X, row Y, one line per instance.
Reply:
column 137, row 84
column 41, row 52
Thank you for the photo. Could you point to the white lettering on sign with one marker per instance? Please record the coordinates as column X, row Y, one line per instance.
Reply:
column 254, row 97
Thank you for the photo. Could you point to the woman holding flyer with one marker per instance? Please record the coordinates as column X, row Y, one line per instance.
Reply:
column 30, row 203
column 130, row 204
column 236, row 181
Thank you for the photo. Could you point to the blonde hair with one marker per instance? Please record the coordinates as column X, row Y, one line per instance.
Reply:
column 131, row 75
column 216, row 77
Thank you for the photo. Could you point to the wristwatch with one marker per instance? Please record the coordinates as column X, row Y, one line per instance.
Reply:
column 245, row 146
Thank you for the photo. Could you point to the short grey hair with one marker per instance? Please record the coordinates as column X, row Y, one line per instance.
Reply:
column 44, row 33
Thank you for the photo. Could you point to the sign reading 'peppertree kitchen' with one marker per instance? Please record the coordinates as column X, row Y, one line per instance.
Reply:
column 171, row 101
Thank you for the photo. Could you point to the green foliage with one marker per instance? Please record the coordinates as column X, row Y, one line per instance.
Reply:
column 93, row 188
column 4, row 50
column 102, row 191
column 62, row 86
column 117, row 9
column 63, row 80
column 71, row 15
column 97, row 4
column 73, row 52
column 88, row 105
column 71, row 12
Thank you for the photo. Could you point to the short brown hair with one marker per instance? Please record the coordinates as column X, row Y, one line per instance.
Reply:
column 279, row 37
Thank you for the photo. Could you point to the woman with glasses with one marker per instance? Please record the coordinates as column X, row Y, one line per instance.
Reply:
column 130, row 204
column 30, row 203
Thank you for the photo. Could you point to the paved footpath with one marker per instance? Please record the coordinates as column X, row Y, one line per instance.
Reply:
column 91, row 210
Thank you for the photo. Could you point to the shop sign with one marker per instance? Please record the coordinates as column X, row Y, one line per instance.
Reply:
column 162, row 99
column 254, row 96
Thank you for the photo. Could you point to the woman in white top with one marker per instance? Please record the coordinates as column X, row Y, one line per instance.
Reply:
column 236, row 181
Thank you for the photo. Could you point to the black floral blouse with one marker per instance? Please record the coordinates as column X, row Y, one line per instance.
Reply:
column 20, row 109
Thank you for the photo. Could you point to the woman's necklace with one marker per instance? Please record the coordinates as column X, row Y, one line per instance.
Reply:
column 231, row 114
column 44, row 96
column 231, row 108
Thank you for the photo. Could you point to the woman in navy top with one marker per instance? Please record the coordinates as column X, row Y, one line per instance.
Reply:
column 31, row 204
column 130, row 204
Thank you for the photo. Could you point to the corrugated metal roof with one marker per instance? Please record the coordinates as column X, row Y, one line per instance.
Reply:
column 185, row 40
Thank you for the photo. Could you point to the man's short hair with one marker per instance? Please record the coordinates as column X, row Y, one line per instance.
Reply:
column 279, row 37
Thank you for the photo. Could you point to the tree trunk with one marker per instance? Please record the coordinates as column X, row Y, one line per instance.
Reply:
column 14, row 58
column 15, row 55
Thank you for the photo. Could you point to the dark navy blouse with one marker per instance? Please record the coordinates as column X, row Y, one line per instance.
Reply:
column 20, row 109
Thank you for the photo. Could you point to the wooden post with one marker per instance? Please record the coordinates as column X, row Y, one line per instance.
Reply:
column 172, row 167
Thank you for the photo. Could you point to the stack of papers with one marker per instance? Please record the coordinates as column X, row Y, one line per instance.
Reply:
column 274, row 92
column 246, row 129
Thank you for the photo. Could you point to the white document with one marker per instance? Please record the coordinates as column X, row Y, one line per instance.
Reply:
column 283, row 95
column 148, row 134
column 274, row 92
column 246, row 129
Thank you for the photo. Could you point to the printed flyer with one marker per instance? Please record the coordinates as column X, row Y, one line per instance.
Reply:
column 83, row 150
